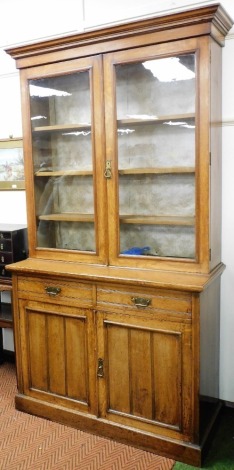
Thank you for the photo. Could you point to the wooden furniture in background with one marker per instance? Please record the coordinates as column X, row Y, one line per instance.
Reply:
column 116, row 310
column 13, row 247
column 6, row 320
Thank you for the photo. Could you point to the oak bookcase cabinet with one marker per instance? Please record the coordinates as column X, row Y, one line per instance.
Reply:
column 117, row 307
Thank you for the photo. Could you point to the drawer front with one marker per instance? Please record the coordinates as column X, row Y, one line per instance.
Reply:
column 5, row 235
column 6, row 258
column 148, row 300
column 4, row 272
column 52, row 290
column 5, row 245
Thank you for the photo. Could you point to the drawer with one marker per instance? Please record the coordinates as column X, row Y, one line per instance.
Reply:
column 55, row 290
column 148, row 300
column 5, row 245
column 4, row 272
column 5, row 235
column 6, row 258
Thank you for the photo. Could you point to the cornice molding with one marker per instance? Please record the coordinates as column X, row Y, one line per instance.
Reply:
column 214, row 15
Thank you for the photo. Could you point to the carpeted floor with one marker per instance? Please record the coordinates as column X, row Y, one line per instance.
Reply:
column 31, row 443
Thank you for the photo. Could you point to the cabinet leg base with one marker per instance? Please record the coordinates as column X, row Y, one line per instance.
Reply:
column 169, row 448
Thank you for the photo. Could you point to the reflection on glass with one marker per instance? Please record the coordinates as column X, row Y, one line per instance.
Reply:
column 156, row 157
column 62, row 159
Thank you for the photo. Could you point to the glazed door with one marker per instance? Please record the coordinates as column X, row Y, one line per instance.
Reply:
column 153, row 143
column 145, row 372
column 64, row 157
column 58, row 363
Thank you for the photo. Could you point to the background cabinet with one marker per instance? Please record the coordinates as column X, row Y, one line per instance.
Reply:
column 123, row 199
column 13, row 247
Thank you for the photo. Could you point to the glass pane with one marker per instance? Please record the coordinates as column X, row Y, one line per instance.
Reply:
column 156, row 157
column 62, row 159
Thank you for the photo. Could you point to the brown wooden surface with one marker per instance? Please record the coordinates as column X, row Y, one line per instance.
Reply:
column 190, row 282
column 57, row 357
column 180, row 451
column 158, row 220
column 68, row 216
column 64, row 173
column 59, row 127
column 158, row 119
column 153, row 381
column 165, row 170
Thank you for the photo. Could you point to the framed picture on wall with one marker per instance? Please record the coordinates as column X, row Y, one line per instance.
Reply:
column 11, row 164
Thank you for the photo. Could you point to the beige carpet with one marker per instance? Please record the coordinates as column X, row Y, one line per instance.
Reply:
column 31, row 443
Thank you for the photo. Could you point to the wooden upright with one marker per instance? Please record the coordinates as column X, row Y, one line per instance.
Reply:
column 116, row 310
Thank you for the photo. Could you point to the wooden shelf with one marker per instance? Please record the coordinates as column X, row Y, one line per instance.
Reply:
column 164, row 170
column 46, row 172
column 123, row 171
column 124, row 121
column 63, row 127
column 126, row 219
column 156, row 119
column 68, row 217
column 157, row 220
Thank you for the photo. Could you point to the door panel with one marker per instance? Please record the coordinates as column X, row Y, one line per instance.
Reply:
column 153, row 144
column 59, row 354
column 64, row 133
column 145, row 372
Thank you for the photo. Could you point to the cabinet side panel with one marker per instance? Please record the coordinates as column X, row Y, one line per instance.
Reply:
column 216, row 154
column 36, row 327
column 167, row 366
column 76, row 360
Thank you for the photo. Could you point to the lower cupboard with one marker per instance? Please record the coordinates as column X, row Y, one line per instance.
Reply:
column 122, row 362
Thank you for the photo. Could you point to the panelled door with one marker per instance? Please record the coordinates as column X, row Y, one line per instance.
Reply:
column 145, row 372
column 155, row 101
column 58, row 354
column 65, row 158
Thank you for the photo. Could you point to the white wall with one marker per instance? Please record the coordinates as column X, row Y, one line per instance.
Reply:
column 29, row 20
column 227, row 292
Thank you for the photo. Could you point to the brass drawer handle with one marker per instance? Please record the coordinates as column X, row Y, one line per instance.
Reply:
column 52, row 291
column 140, row 302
